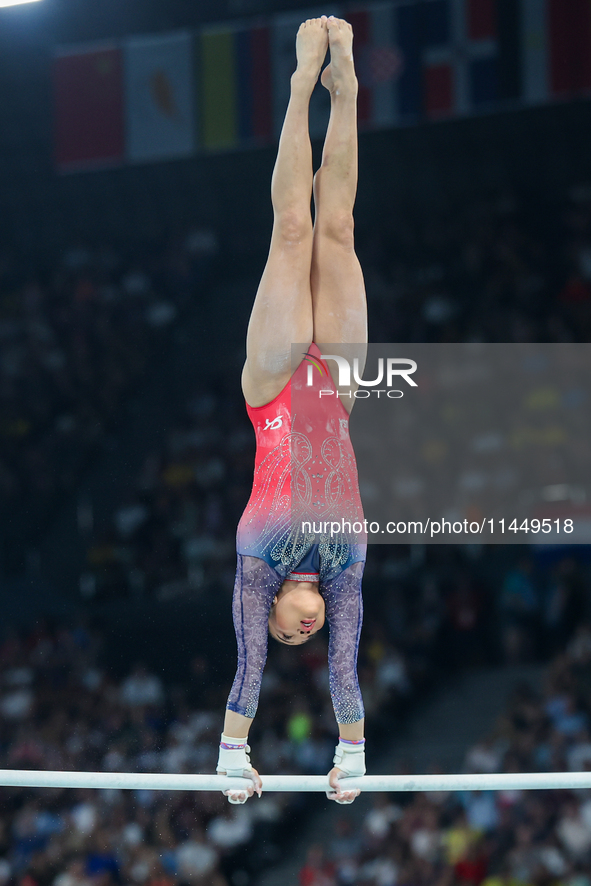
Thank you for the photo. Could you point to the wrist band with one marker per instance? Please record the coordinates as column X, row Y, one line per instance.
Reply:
column 350, row 756
column 233, row 756
column 233, row 742
column 352, row 741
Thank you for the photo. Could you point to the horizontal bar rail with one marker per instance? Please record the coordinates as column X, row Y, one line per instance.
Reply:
column 157, row 781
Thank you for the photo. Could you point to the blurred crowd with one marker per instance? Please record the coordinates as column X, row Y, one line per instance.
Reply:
column 63, row 707
column 504, row 838
column 176, row 534
column 498, row 269
column 175, row 537
column 75, row 340
column 514, row 267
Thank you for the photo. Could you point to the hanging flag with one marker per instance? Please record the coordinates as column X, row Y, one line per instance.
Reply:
column 88, row 107
column 218, row 100
column 228, row 87
column 534, row 43
column 235, row 86
column 555, row 49
column 378, row 62
column 569, row 33
column 459, row 55
column 255, row 111
column 159, row 97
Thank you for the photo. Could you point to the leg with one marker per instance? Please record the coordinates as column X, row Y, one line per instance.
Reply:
column 338, row 291
column 282, row 312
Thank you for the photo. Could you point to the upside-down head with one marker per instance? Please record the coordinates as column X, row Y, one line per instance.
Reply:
column 297, row 612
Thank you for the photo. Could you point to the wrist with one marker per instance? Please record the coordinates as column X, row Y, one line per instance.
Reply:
column 350, row 756
column 233, row 744
column 233, row 756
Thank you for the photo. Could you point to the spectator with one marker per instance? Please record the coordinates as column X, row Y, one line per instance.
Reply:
column 141, row 688
column 317, row 871
column 519, row 605
column 196, row 860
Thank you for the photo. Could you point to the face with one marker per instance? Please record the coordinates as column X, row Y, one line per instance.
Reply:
column 297, row 612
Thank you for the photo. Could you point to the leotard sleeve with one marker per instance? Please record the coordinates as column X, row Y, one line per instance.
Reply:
column 254, row 588
column 344, row 613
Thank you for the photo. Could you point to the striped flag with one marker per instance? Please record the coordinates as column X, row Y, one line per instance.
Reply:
column 534, row 49
column 420, row 59
column 159, row 97
column 228, row 87
column 569, row 30
column 459, row 56
column 88, row 107
column 235, row 87
column 378, row 62
column 257, row 115
column 556, row 49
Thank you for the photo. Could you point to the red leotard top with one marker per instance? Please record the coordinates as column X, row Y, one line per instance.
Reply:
column 305, row 476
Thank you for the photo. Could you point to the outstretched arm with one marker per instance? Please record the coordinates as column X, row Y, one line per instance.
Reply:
column 255, row 586
column 344, row 613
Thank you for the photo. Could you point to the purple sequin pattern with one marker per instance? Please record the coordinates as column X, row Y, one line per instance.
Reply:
column 344, row 613
column 254, row 589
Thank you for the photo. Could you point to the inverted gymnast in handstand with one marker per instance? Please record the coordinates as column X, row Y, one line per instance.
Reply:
column 311, row 291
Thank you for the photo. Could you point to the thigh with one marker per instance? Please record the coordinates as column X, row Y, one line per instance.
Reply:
column 281, row 316
column 339, row 307
column 339, row 303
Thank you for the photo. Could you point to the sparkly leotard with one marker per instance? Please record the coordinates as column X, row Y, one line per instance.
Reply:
column 305, row 477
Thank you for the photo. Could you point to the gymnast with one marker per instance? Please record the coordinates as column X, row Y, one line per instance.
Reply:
column 288, row 579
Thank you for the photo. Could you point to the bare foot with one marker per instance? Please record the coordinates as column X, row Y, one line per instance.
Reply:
column 326, row 79
column 340, row 73
column 311, row 46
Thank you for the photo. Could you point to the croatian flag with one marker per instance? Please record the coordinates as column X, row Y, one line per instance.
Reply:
column 378, row 64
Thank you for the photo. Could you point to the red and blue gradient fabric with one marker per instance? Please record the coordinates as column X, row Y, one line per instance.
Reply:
column 305, row 477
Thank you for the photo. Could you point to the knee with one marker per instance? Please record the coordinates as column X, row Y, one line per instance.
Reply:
column 292, row 227
column 339, row 228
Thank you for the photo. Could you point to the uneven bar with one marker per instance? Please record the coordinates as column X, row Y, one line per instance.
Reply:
column 145, row 781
